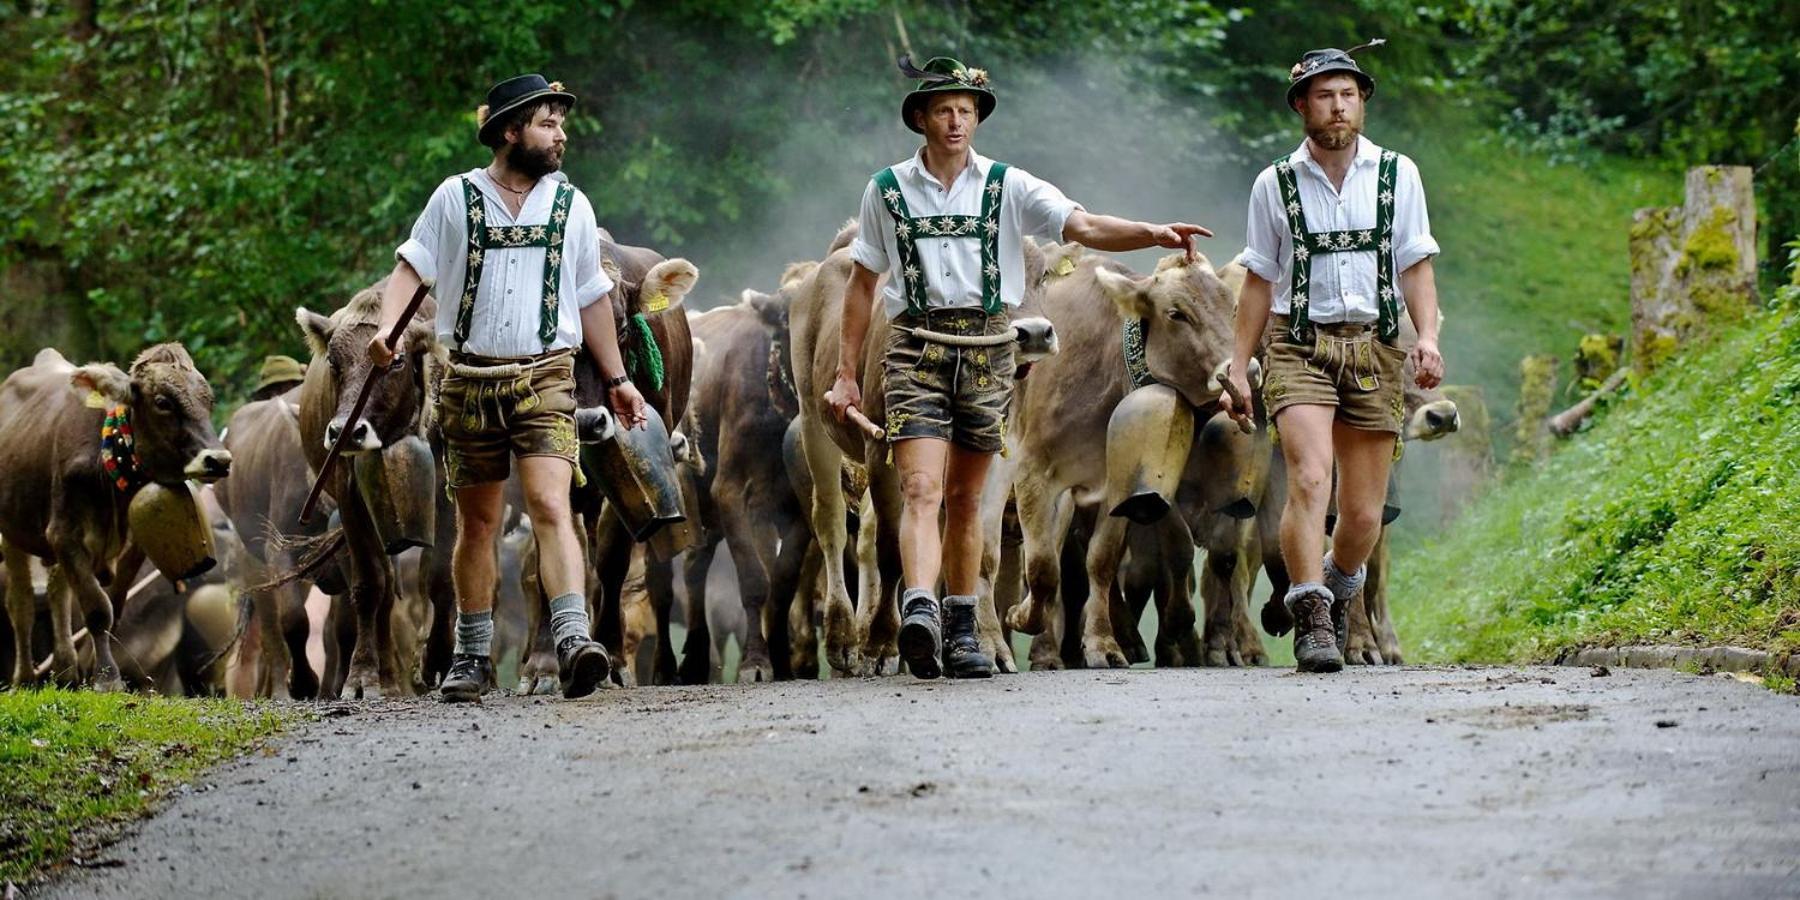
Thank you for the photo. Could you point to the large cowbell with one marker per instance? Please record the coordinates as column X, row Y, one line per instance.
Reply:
column 1147, row 444
column 398, row 484
column 636, row 471
column 169, row 525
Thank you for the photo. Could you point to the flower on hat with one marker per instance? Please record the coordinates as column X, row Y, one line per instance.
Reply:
column 1296, row 70
column 978, row 77
column 556, row 85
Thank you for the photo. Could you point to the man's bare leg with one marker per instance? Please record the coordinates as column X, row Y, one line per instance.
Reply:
column 474, row 572
column 1307, row 443
column 1363, row 462
column 965, row 476
column 581, row 662
column 920, row 463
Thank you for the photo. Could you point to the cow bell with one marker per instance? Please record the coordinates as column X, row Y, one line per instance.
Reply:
column 168, row 524
column 1147, row 444
column 398, row 484
column 635, row 468
column 678, row 536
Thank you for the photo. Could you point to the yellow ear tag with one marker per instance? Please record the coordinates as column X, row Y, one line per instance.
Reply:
column 93, row 400
column 655, row 303
column 1065, row 265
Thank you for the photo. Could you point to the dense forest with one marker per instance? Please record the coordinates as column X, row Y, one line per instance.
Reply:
column 195, row 170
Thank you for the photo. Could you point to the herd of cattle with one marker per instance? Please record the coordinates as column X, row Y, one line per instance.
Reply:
column 1110, row 484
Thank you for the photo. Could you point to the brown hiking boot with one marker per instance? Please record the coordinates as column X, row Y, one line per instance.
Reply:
column 1315, row 634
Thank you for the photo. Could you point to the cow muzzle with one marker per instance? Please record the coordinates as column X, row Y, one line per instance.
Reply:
column 362, row 437
column 208, row 466
column 1433, row 421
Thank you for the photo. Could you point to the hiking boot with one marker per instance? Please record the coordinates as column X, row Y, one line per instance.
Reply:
column 921, row 635
column 1315, row 631
column 962, row 649
column 581, row 664
column 1349, row 586
column 469, row 677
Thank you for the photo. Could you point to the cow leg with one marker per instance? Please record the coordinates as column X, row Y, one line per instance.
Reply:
column 368, row 599
column 636, row 619
column 537, row 670
column 744, row 538
column 804, row 650
column 878, row 557
column 1009, row 574
column 1044, row 521
column 303, row 683
column 995, row 495
column 1099, row 649
column 784, row 581
column 659, row 585
column 76, row 560
column 1218, row 590
column 612, row 561
column 696, row 648
column 1376, row 644
column 21, row 611
column 437, row 581
column 824, row 461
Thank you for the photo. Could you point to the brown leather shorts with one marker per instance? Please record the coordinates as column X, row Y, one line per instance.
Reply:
column 956, row 394
column 489, row 417
column 1346, row 367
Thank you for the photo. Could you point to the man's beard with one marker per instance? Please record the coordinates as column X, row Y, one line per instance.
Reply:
column 1335, row 134
column 534, row 163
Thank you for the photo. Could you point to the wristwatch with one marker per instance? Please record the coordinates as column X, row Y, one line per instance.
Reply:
column 615, row 382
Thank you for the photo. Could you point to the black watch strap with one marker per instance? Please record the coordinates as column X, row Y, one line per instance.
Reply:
column 615, row 382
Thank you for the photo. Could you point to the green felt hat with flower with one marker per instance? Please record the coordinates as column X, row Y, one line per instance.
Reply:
column 943, row 75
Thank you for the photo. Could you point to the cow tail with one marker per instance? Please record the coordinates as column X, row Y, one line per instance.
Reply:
column 309, row 552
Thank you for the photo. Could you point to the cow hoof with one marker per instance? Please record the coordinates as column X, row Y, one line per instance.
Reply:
column 544, row 685
column 1103, row 654
column 1276, row 620
column 111, row 685
column 756, row 670
column 696, row 668
column 1137, row 653
column 1026, row 617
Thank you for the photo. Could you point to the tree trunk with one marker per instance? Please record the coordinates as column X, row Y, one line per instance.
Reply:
column 1692, row 264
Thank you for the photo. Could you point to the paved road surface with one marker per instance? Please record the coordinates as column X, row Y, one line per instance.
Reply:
column 1422, row 782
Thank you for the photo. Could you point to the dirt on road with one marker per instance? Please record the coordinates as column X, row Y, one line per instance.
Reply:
column 1416, row 782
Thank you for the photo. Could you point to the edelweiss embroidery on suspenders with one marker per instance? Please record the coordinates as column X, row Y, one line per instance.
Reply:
column 1309, row 244
column 484, row 237
column 985, row 228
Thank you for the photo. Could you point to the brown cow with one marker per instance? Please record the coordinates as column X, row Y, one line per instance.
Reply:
column 400, row 406
column 1065, row 405
column 58, row 500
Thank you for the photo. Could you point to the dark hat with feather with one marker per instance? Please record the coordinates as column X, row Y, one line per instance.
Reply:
column 1330, row 61
column 509, row 95
column 943, row 75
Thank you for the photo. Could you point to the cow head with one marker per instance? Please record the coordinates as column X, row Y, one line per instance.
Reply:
column 1187, row 313
column 341, row 342
column 1429, row 414
column 170, row 406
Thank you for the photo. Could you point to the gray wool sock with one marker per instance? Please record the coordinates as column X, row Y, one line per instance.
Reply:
column 1303, row 589
column 475, row 633
column 1343, row 586
column 568, row 616
column 958, row 601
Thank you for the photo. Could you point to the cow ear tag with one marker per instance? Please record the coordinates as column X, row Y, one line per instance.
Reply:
column 93, row 400
column 1065, row 265
column 656, row 302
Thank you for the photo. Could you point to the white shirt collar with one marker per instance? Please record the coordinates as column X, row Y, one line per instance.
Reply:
column 1367, row 153
column 914, row 167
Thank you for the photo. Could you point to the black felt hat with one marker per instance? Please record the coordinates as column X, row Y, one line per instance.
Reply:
column 509, row 95
column 943, row 75
column 1328, row 62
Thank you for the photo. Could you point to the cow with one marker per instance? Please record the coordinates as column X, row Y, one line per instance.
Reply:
column 65, row 489
column 863, row 639
column 1063, row 409
column 399, row 407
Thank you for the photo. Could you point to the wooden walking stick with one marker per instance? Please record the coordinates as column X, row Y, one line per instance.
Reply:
column 362, row 399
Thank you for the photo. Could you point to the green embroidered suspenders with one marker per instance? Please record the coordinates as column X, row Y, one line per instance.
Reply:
column 1308, row 244
column 985, row 227
column 484, row 237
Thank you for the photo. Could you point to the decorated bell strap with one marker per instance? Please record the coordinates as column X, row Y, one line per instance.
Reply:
column 1308, row 244
column 484, row 237
column 1136, row 366
column 908, row 230
column 118, row 450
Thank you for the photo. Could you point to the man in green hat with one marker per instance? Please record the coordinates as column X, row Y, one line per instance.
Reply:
column 513, row 251
column 1338, row 239
column 950, row 225
column 279, row 374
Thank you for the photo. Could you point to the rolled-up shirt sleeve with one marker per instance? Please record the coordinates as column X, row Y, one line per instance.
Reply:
column 1265, row 232
column 434, row 235
column 583, row 243
column 1412, row 224
column 869, row 248
column 1043, row 208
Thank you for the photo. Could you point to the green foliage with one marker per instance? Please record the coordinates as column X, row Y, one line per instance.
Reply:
column 74, row 760
column 1673, row 520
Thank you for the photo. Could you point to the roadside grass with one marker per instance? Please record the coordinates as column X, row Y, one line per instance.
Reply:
column 1674, row 519
column 75, row 761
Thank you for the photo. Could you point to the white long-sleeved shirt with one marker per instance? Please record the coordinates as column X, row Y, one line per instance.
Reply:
column 1343, row 284
column 511, row 291
column 1030, row 206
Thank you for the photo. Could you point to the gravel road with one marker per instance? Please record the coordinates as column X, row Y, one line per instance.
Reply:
column 1415, row 782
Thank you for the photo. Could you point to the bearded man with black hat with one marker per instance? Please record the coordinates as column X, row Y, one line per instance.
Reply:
column 1338, row 238
column 519, row 248
column 951, row 225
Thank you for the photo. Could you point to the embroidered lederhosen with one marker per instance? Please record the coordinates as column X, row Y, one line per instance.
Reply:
column 484, row 237
column 1308, row 244
column 985, row 228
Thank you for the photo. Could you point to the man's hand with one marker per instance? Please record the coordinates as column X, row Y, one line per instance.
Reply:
column 1240, row 387
column 1178, row 236
column 628, row 405
column 844, row 394
column 1428, row 364
column 379, row 355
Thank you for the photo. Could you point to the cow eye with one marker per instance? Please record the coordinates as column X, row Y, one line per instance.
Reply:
column 164, row 403
column 1176, row 315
